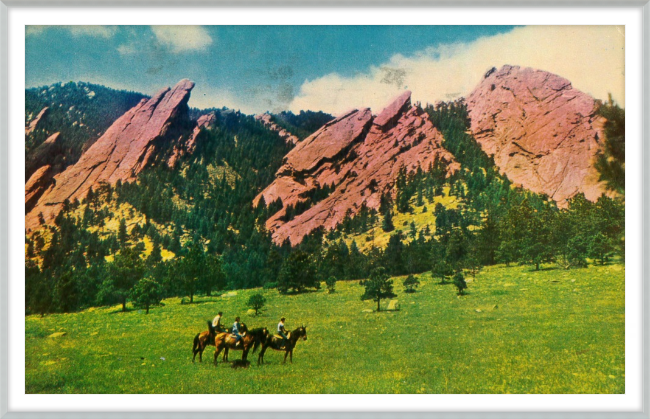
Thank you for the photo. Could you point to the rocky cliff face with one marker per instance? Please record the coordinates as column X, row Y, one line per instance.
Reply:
column 542, row 132
column 138, row 138
column 357, row 155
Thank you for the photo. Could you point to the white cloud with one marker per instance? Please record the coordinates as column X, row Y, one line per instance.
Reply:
column 127, row 49
column 591, row 57
column 96, row 31
column 182, row 38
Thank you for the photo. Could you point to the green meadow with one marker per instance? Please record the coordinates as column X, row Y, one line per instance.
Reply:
column 516, row 331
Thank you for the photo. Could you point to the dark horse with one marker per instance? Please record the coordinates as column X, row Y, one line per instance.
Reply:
column 275, row 342
column 203, row 339
column 226, row 341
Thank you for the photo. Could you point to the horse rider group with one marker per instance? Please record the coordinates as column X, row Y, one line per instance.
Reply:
column 236, row 327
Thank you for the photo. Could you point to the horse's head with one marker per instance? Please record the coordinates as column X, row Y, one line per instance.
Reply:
column 243, row 328
column 302, row 330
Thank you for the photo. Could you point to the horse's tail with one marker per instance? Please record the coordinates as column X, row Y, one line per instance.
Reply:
column 196, row 342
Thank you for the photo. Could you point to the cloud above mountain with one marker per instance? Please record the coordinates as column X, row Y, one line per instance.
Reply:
column 591, row 57
column 183, row 38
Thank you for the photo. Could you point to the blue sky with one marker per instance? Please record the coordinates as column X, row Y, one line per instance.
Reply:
column 260, row 68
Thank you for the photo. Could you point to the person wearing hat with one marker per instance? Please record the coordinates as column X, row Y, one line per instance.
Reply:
column 235, row 331
column 282, row 332
column 216, row 323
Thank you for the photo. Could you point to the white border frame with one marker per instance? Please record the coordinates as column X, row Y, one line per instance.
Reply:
column 4, row 198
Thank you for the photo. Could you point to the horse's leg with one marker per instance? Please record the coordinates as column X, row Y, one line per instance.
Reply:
column 201, row 354
column 225, row 355
column 285, row 356
column 216, row 355
column 260, row 357
column 291, row 355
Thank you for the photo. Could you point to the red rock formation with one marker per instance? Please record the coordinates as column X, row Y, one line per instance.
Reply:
column 358, row 156
column 44, row 154
column 125, row 149
column 204, row 121
column 265, row 119
column 37, row 184
column 542, row 132
column 34, row 122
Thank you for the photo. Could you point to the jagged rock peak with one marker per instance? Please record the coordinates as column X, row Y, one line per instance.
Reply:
column 392, row 112
column 358, row 160
column 123, row 151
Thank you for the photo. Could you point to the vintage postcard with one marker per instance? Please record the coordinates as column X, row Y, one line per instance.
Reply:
column 324, row 209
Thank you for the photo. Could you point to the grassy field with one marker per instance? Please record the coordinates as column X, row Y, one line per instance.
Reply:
column 517, row 331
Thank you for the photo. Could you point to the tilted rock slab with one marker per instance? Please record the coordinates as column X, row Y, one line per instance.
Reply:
column 266, row 120
column 125, row 149
column 36, row 185
column 360, row 155
column 33, row 124
column 45, row 154
column 542, row 132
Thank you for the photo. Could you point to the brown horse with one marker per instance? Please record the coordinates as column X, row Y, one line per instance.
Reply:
column 203, row 339
column 253, row 339
column 275, row 342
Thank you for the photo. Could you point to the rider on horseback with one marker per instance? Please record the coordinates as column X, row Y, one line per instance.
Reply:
column 282, row 332
column 216, row 323
column 235, row 331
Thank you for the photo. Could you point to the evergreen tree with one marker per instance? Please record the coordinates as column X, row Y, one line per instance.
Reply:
column 379, row 286
column 410, row 283
column 610, row 161
column 331, row 284
column 125, row 271
column 122, row 236
column 459, row 283
column 190, row 268
column 442, row 270
column 297, row 273
column 387, row 224
column 256, row 302
column 600, row 248
column 145, row 293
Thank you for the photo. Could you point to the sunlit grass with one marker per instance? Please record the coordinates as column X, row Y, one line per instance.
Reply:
column 517, row 331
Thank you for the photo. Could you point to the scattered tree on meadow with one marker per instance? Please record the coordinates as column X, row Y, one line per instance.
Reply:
column 256, row 302
column 459, row 282
column 442, row 270
column 410, row 283
column 125, row 271
column 145, row 293
column 379, row 286
column 190, row 268
column 331, row 284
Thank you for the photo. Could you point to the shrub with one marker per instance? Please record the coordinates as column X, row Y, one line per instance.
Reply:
column 410, row 283
column 331, row 284
column 459, row 282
